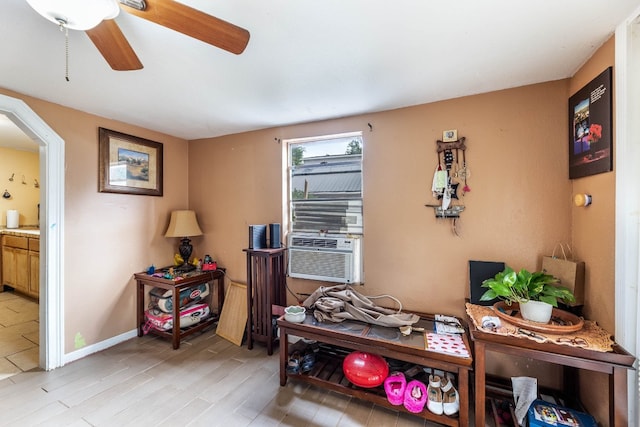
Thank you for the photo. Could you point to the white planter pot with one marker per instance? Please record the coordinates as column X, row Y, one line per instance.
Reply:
column 536, row 311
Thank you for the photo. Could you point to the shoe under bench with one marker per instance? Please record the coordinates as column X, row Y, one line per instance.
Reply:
column 386, row 342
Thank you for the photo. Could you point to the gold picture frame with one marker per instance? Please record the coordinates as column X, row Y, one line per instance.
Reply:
column 128, row 164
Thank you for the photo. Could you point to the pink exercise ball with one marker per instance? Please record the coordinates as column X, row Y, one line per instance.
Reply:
column 365, row 369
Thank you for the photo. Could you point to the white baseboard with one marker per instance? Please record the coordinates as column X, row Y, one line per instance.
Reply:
column 102, row 345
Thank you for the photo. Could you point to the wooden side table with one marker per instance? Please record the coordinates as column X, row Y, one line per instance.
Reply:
column 266, row 285
column 614, row 364
column 176, row 285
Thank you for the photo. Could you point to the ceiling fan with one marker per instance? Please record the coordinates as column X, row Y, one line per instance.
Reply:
column 96, row 18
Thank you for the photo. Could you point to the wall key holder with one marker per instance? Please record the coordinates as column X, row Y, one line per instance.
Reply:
column 451, row 172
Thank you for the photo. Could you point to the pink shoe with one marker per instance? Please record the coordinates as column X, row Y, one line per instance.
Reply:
column 394, row 386
column 415, row 396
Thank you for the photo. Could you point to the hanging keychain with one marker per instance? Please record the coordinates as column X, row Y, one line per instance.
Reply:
column 465, row 173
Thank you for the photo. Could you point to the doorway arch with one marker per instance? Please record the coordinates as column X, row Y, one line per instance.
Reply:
column 51, row 152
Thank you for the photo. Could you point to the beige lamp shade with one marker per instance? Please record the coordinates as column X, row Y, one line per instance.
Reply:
column 183, row 224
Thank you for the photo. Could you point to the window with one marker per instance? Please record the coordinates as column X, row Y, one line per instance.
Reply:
column 325, row 184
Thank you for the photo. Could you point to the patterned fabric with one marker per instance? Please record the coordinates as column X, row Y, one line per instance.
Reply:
column 447, row 343
column 591, row 336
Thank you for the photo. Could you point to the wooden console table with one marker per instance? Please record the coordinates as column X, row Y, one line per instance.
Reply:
column 176, row 285
column 614, row 364
column 386, row 342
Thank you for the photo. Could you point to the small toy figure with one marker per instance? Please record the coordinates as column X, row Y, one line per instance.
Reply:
column 170, row 274
column 209, row 264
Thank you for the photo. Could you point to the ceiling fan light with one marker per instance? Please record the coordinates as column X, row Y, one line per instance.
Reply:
column 76, row 14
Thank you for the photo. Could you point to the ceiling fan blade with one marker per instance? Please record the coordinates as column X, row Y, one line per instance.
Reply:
column 114, row 47
column 194, row 23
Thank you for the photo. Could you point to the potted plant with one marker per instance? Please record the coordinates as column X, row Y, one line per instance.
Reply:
column 536, row 292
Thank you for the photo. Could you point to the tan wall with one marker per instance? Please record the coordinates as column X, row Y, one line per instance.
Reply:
column 593, row 237
column 594, row 227
column 107, row 237
column 24, row 197
column 519, row 206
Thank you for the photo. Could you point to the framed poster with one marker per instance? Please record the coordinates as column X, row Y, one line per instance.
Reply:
column 129, row 164
column 590, row 128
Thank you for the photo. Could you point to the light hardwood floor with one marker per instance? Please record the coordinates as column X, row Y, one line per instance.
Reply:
column 19, row 329
column 208, row 381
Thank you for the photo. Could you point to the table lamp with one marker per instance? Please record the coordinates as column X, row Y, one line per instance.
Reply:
column 184, row 224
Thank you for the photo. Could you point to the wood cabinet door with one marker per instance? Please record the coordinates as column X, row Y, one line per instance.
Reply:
column 22, row 270
column 8, row 266
column 15, row 268
column 34, row 274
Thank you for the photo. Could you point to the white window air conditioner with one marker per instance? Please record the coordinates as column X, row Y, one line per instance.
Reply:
column 328, row 258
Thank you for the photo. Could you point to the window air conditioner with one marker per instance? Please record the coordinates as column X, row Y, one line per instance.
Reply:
column 328, row 258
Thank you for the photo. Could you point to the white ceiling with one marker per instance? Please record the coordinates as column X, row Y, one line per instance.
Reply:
column 11, row 136
column 307, row 60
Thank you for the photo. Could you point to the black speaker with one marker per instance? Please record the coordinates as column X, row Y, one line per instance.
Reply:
column 274, row 236
column 257, row 236
column 479, row 271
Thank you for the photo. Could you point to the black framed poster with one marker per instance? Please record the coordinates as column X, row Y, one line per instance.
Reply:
column 590, row 128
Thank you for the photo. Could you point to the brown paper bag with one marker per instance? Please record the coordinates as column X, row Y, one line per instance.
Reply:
column 569, row 271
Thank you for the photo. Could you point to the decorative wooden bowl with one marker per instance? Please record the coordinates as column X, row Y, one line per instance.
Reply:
column 562, row 322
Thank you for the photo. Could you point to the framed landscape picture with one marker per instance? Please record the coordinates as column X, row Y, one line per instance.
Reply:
column 129, row 164
column 590, row 128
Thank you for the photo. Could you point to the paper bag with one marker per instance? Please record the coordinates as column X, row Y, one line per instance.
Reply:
column 569, row 271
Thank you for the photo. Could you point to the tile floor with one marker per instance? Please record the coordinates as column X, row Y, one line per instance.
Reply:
column 208, row 382
column 19, row 332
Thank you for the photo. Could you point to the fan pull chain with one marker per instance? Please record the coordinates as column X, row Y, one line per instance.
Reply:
column 64, row 28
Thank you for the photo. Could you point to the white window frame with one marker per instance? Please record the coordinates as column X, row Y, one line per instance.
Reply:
column 287, row 171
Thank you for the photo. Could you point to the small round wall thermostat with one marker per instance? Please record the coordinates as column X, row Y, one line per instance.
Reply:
column 582, row 200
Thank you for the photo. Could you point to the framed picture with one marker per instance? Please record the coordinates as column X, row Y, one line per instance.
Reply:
column 590, row 128
column 450, row 135
column 129, row 164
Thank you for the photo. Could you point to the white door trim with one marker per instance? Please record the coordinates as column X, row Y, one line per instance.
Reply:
column 51, row 228
column 627, row 224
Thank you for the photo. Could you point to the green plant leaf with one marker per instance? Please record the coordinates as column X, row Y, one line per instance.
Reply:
column 535, row 289
column 510, row 278
column 559, row 292
column 488, row 295
column 503, row 289
column 549, row 300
